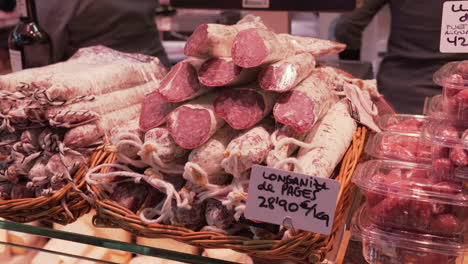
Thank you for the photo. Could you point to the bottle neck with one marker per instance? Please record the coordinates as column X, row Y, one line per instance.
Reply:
column 27, row 10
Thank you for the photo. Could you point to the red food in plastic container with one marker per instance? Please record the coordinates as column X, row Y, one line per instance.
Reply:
column 401, row 123
column 400, row 247
column 411, row 197
column 449, row 140
column 453, row 77
column 399, row 146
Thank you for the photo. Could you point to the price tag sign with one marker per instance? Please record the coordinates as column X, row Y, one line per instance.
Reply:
column 255, row 3
column 454, row 30
column 303, row 201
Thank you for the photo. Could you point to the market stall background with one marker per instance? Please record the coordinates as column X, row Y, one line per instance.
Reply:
column 365, row 72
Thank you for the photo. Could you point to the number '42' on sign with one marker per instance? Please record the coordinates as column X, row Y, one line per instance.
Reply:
column 303, row 201
column 454, row 27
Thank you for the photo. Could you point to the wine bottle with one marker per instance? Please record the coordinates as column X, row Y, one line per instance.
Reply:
column 29, row 45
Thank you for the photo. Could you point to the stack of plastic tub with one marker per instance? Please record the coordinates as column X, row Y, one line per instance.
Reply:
column 416, row 187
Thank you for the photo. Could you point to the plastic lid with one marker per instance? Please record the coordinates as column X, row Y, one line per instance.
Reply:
column 411, row 180
column 453, row 75
column 446, row 133
column 399, row 146
column 362, row 228
column 401, row 123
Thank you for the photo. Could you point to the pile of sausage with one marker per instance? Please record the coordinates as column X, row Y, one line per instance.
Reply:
column 244, row 96
column 54, row 116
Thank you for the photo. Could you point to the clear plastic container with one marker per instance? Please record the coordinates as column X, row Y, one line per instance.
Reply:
column 412, row 197
column 434, row 109
column 449, row 142
column 401, row 123
column 399, row 247
column 453, row 77
column 399, row 146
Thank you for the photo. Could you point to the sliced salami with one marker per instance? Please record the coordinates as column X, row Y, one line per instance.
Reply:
column 286, row 74
column 249, row 148
column 255, row 46
column 223, row 72
column 243, row 107
column 154, row 111
column 204, row 163
column 192, row 124
column 327, row 142
column 308, row 102
column 181, row 83
column 215, row 40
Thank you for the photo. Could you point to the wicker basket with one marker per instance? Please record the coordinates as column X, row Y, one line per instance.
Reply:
column 305, row 246
column 63, row 207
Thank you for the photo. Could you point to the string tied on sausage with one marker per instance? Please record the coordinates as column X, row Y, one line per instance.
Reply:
column 41, row 96
column 236, row 198
column 151, row 158
column 92, row 177
column 122, row 156
column 6, row 123
column 231, row 164
column 73, row 118
column 293, row 161
column 196, row 174
column 66, row 172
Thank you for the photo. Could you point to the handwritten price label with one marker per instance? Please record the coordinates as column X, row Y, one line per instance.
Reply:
column 276, row 195
column 454, row 30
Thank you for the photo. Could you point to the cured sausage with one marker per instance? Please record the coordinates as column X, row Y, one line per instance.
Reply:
column 249, row 148
column 154, row 111
column 286, row 74
column 82, row 112
column 182, row 83
column 223, row 72
column 328, row 141
column 159, row 149
column 215, row 40
column 285, row 142
column 255, row 46
column 308, row 102
column 243, row 107
column 204, row 163
column 89, row 134
column 192, row 124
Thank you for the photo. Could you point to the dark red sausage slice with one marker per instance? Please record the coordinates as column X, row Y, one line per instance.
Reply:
column 218, row 72
column 241, row 108
column 295, row 109
column 154, row 111
column 181, row 83
column 190, row 127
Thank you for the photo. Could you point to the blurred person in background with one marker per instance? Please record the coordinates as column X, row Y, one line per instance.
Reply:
column 405, row 74
column 127, row 26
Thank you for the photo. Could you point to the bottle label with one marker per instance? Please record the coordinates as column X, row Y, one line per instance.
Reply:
column 16, row 60
column 36, row 55
column 22, row 8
